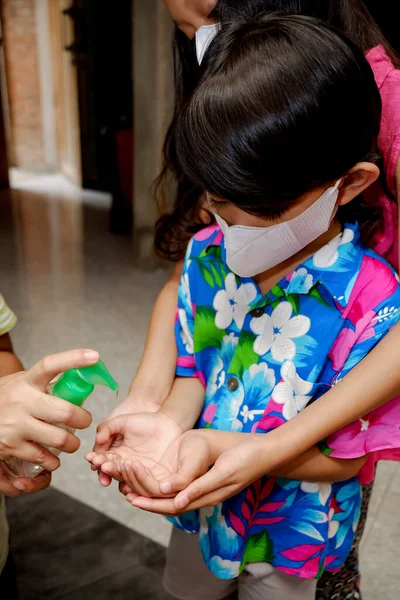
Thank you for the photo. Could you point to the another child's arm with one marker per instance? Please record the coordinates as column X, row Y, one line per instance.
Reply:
column 369, row 385
column 156, row 372
column 193, row 453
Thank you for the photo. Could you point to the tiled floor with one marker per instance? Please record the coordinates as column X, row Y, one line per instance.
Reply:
column 66, row 551
column 73, row 284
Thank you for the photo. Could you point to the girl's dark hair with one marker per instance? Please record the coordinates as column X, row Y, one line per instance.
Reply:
column 187, row 216
column 352, row 17
column 285, row 104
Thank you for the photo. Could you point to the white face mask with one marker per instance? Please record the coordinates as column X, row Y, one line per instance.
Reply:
column 253, row 250
column 204, row 37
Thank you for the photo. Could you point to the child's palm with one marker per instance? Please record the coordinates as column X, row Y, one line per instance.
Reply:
column 187, row 458
column 141, row 437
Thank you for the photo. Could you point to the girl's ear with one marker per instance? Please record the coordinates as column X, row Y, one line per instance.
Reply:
column 358, row 179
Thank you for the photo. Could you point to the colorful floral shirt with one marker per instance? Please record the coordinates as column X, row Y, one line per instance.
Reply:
column 263, row 359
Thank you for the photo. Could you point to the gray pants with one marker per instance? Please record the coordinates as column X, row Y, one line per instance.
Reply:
column 187, row 577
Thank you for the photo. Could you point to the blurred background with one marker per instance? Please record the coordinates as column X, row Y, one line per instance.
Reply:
column 86, row 94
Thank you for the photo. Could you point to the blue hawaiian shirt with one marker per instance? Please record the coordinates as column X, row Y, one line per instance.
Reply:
column 263, row 359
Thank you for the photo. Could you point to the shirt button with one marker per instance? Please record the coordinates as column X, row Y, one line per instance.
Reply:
column 232, row 384
column 257, row 313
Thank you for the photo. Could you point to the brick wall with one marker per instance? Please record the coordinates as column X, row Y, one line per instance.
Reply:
column 22, row 67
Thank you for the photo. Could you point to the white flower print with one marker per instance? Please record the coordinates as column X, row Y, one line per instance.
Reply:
column 189, row 253
column 232, row 303
column 328, row 254
column 276, row 332
column 249, row 415
column 301, row 282
column 186, row 334
column 386, row 313
column 333, row 525
column 218, row 374
column 292, row 392
column 186, row 289
column 324, row 490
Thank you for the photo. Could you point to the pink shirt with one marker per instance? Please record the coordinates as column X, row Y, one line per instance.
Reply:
column 385, row 242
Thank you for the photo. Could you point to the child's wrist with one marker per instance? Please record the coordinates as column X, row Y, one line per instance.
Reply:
column 179, row 419
column 221, row 441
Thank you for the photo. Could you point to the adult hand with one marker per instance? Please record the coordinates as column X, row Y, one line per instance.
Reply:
column 142, row 437
column 234, row 470
column 26, row 411
column 133, row 404
column 23, row 485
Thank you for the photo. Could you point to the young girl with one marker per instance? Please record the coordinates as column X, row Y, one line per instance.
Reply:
column 380, row 370
column 278, row 302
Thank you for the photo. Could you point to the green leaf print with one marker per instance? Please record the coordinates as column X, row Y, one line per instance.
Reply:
column 216, row 275
column 275, row 303
column 320, row 571
column 324, row 448
column 206, row 274
column 278, row 291
column 214, row 251
column 244, row 355
column 316, row 294
column 209, row 261
column 295, row 302
column 206, row 333
column 259, row 549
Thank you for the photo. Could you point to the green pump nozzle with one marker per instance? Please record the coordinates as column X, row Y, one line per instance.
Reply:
column 77, row 384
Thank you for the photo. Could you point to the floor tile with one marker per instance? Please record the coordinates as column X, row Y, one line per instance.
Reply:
column 73, row 284
column 140, row 584
column 384, row 477
column 395, row 480
column 380, row 553
column 61, row 546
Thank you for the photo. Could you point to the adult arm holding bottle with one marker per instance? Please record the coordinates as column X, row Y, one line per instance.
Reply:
column 26, row 411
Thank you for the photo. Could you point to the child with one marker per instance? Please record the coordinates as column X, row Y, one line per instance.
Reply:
column 277, row 303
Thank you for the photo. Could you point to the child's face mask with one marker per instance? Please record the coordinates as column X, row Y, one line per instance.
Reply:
column 253, row 250
column 204, row 37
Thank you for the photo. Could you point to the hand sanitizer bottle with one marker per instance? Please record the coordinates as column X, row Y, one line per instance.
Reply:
column 75, row 386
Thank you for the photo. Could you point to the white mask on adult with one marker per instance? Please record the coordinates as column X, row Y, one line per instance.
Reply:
column 253, row 250
column 204, row 37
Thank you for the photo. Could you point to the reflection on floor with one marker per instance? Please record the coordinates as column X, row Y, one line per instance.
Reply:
column 73, row 284
column 66, row 551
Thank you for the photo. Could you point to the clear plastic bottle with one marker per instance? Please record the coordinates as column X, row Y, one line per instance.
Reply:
column 75, row 386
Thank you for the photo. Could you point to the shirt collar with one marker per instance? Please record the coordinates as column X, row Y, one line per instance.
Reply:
column 335, row 266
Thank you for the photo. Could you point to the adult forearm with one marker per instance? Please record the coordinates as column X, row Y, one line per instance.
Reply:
column 9, row 363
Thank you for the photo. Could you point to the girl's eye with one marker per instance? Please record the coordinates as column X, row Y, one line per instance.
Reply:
column 216, row 205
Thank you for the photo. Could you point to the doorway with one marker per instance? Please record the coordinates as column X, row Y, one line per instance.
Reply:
column 92, row 70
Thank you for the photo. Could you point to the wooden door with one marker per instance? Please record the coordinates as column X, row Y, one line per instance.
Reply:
column 65, row 73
